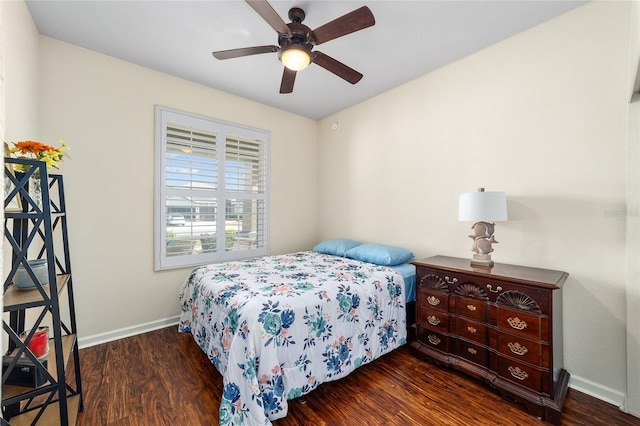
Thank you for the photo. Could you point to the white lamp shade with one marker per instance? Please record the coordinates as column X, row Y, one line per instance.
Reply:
column 483, row 206
column 295, row 58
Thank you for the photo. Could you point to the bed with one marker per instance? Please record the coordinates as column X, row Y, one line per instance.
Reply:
column 277, row 327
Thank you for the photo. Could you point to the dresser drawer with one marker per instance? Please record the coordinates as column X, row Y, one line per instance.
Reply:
column 471, row 308
column 519, row 297
column 435, row 279
column 433, row 319
column 472, row 330
column 533, row 352
column 520, row 373
column 433, row 300
column 433, row 339
column 529, row 325
column 473, row 352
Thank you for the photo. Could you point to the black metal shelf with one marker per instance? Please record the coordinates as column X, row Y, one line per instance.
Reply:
column 35, row 227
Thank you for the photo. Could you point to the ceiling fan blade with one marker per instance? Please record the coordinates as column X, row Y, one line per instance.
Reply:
column 244, row 51
column 288, row 78
column 346, row 24
column 264, row 9
column 336, row 67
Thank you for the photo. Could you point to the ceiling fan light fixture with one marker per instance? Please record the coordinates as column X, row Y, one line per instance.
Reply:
column 295, row 57
column 296, row 41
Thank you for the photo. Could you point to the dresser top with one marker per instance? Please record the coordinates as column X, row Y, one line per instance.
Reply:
column 537, row 276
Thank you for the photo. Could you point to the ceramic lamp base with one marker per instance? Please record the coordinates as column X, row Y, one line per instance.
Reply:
column 483, row 260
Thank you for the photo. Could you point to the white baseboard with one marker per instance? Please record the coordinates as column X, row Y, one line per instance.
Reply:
column 617, row 398
column 85, row 342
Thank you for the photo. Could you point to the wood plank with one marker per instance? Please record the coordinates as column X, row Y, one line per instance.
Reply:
column 163, row 378
column 51, row 415
column 15, row 299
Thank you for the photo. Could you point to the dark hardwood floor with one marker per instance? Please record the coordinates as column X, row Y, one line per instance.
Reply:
column 162, row 378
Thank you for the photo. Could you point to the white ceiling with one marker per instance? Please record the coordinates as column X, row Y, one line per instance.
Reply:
column 409, row 39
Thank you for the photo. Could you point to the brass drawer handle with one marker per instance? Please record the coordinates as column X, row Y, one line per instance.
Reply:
column 451, row 281
column 471, row 329
column 517, row 323
column 434, row 340
column 518, row 349
column 471, row 307
column 472, row 351
column 433, row 320
column 518, row 373
column 497, row 290
column 433, row 301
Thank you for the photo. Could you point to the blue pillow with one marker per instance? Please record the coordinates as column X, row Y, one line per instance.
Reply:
column 336, row 247
column 380, row 254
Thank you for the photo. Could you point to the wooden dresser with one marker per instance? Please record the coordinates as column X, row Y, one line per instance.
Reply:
column 501, row 324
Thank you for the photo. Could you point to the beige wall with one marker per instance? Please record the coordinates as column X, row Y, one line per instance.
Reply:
column 633, row 261
column 104, row 109
column 20, row 44
column 542, row 116
column 633, row 220
column 19, row 62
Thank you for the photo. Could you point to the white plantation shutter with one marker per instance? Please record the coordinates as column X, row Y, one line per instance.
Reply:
column 212, row 190
column 246, row 171
column 190, row 158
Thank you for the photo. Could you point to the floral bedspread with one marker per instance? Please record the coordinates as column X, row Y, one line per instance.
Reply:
column 277, row 327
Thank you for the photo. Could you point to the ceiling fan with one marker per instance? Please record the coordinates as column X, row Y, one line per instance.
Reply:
column 296, row 42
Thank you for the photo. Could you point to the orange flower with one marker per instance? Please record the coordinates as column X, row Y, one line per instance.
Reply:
column 32, row 147
column 39, row 151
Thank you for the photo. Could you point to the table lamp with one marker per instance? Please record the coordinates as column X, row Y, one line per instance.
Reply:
column 482, row 208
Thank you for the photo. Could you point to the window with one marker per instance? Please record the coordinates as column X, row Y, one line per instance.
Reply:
column 211, row 190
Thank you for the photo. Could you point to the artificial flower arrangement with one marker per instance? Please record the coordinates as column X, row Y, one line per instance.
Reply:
column 39, row 151
column 34, row 150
